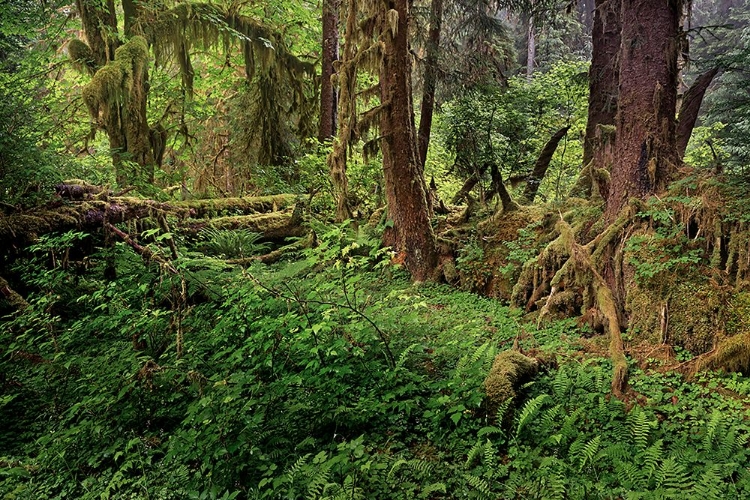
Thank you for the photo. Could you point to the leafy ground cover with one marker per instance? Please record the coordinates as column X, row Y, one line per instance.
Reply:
column 330, row 376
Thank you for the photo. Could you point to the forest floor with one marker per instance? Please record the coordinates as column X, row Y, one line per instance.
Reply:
column 332, row 376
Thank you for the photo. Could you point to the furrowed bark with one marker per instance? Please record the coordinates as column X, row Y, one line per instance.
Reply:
column 411, row 235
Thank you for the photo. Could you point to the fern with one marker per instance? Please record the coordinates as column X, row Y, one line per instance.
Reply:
column 589, row 452
column 530, row 410
column 479, row 484
column 640, row 427
column 710, row 486
column 672, row 476
column 475, row 452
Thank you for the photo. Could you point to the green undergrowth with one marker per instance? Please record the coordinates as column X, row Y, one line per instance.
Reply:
column 329, row 376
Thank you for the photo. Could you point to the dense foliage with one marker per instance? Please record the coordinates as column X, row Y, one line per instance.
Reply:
column 329, row 377
column 181, row 342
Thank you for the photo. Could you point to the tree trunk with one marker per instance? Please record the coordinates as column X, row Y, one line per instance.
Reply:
column 430, row 79
column 691, row 105
column 347, row 112
column 530, row 47
column 542, row 164
column 645, row 150
column 100, row 27
column 330, row 53
column 603, row 73
column 411, row 235
column 498, row 187
column 465, row 189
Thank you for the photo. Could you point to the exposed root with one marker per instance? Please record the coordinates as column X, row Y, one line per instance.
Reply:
column 566, row 266
column 731, row 354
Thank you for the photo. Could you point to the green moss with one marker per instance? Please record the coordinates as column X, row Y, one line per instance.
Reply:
column 509, row 369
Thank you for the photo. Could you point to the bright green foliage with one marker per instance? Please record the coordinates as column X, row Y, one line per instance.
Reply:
column 329, row 377
column 509, row 126
column 232, row 243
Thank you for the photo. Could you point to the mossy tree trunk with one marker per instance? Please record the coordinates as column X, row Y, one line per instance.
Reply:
column 645, row 150
column 330, row 53
column 603, row 73
column 346, row 77
column 116, row 96
column 411, row 235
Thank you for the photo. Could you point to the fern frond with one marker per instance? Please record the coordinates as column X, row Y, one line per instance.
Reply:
column 710, row 486
column 530, row 410
column 479, row 484
column 640, row 427
column 589, row 452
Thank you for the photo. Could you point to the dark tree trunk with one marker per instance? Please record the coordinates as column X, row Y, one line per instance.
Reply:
column 498, row 187
column 691, row 105
column 330, row 53
column 411, row 235
column 542, row 164
column 603, row 73
column 645, row 150
column 430, row 79
column 465, row 189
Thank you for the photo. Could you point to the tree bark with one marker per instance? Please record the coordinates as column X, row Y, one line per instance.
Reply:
column 691, row 105
column 542, row 164
column 347, row 113
column 330, row 53
column 430, row 79
column 645, row 148
column 411, row 235
column 99, row 22
column 530, row 47
column 603, row 73
column 465, row 189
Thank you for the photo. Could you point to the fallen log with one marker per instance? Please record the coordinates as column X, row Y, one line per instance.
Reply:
column 88, row 215
column 13, row 298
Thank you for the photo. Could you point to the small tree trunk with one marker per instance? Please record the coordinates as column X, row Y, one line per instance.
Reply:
column 542, row 164
column 465, row 189
column 347, row 110
column 498, row 187
column 645, row 150
column 691, row 105
column 411, row 234
column 430, row 79
column 330, row 49
column 530, row 48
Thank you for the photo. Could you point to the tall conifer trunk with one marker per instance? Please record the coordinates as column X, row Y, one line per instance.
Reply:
column 645, row 151
column 603, row 73
column 430, row 79
column 411, row 235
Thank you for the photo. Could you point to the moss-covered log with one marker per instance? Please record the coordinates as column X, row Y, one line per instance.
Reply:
column 13, row 298
column 92, row 214
column 509, row 370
